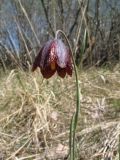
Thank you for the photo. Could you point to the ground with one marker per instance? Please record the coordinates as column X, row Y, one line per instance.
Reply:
column 35, row 115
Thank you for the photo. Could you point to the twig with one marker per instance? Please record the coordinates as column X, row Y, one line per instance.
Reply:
column 75, row 22
column 26, row 15
column 46, row 14
column 13, row 155
column 60, row 5
column 79, row 30
column 27, row 50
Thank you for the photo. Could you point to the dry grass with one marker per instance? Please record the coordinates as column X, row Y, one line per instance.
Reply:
column 35, row 115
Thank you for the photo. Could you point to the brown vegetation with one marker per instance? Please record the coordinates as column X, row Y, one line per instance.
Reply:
column 35, row 115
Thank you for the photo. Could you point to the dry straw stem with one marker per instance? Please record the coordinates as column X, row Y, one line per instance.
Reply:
column 3, row 64
column 47, row 17
column 16, row 152
column 14, row 49
column 23, row 39
column 26, row 15
column 79, row 28
column 12, row 56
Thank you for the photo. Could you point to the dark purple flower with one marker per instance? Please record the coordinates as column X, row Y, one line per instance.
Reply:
column 54, row 56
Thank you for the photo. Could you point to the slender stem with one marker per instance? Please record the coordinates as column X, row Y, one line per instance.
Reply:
column 54, row 14
column 119, row 147
column 74, row 119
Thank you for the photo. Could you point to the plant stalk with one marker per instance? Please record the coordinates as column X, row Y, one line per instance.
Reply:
column 74, row 119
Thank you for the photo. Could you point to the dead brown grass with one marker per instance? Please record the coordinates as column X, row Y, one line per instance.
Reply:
column 35, row 115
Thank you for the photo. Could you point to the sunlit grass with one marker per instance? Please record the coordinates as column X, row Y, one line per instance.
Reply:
column 35, row 115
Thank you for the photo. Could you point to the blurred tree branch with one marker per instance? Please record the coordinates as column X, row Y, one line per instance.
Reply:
column 47, row 17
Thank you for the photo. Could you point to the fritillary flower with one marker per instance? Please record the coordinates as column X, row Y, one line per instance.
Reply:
column 53, row 57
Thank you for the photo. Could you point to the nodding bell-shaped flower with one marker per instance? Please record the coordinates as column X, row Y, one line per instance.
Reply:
column 53, row 57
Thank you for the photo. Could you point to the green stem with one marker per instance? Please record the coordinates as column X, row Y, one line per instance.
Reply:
column 74, row 119
column 119, row 147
